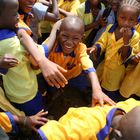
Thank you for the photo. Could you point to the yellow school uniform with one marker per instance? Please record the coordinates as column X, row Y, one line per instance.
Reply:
column 69, row 5
column 85, row 123
column 22, row 25
column 7, row 122
column 75, row 63
column 112, row 70
column 85, row 14
column 138, row 26
column 130, row 84
column 20, row 83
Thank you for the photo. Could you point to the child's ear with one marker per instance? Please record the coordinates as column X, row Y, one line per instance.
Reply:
column 57, row 32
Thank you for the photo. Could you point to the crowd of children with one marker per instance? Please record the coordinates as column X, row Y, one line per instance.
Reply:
column 80, row 33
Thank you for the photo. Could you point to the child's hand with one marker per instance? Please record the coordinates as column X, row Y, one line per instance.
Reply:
column 103, row 21
column 101, row 98
column 57, row 24
column 38, row 119
column 8, row 61
column 136, row 58
column 127, row 34
column 92, row 50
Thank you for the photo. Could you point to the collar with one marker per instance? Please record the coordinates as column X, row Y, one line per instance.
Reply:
column 87, row 6
column 114, row 26
column 59, row 49
column 6, row 33
column 105, row 131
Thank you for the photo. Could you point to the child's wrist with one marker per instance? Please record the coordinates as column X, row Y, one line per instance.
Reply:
column 126, row 45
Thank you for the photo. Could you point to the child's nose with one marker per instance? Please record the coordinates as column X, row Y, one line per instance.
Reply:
column 126, row 24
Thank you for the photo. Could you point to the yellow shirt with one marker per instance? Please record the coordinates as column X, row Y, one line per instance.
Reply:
column 22, row 25
column 19, row 82
column 69, row 5
column 7, row 122
column 84, row 123
column 130, row 84
column 111, row 71
column 138, row 26
column 75, row 63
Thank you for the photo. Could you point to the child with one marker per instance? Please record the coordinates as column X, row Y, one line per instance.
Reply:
column 89, row 12
column 20, row 83
column 117, row 42
column 12, row 123
column 70, row 53
column 111, row 18
column 39, row 12
column 120, row 122
column 130, row 86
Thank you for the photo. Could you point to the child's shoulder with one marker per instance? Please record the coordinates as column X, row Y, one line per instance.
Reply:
column 135, row 34
column 81, row 47
column 6, row 34
column 109, row 27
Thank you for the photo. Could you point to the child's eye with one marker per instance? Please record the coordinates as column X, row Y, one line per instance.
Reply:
column 65, row 36
column 122, row 17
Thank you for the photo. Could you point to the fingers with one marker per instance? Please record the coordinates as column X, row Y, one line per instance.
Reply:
column 60, row 75
column 90, row 50
column 109, row 101
column 54, row 82
column 41, row 113
column 101, row 102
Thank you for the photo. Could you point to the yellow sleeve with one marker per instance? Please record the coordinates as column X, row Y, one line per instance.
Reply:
column 128, row 104
column 22, row 25
column 74, row 7
column 101, row 44
column 135, row 46
column 7, row 122
column 86, row 63
column 80, row 11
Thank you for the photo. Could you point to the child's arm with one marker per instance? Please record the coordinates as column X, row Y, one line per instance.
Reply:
column 97, row 94
column 126, row 48
column 51, row 71
column 96, row 24
column 31, row 121
column 65, row 13
column 52, row 15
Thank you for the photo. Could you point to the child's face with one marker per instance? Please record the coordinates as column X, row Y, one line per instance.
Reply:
column 94, row 2
column 26, row 5
column 127, row 17
column 69, row 40
column 115, row 5
column 10, row 14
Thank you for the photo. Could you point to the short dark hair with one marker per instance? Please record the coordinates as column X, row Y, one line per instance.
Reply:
column 2, row 6
column 131, row 3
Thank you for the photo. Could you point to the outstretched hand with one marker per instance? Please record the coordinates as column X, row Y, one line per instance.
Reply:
column 38, row 119
column 101, row 98
column 53, row 73
column 91, row 50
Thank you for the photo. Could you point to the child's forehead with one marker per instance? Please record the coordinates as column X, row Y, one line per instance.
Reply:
column 71, row 32
column 128, row 9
